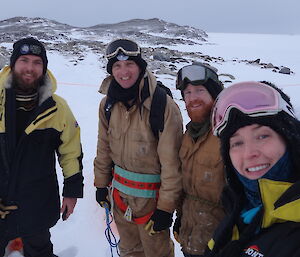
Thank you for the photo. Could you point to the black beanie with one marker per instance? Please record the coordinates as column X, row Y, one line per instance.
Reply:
column 29, row 46
column 213, row 88
column 137, row 59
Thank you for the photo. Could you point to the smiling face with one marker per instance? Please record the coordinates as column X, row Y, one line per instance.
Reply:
column 254, row 150
column 125, row 73
column 28, row 70
column 198, row 102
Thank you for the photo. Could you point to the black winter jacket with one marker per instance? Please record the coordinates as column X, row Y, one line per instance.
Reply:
column 274, row 231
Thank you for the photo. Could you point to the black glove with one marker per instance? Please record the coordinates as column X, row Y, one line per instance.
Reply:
column 176, row 227
column 160, row 220
column 102, row 197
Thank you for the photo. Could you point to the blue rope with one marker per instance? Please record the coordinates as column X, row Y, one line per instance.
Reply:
column 111, row 239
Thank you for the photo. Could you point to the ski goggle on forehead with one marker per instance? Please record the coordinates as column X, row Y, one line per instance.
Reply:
column 126, row 46
column 196, row 74
column 251, row 98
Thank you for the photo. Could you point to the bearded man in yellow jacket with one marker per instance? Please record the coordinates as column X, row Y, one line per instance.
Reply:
column 35, row 124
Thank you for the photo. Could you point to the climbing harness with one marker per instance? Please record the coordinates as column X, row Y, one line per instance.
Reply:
column 134, row 184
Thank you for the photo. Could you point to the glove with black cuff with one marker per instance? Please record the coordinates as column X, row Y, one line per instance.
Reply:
column 160, row 220
column 102, row 197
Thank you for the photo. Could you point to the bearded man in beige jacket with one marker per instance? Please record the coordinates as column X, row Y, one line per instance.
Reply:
column 202, row 167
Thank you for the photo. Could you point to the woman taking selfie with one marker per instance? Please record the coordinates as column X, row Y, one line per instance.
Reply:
column 260, row 145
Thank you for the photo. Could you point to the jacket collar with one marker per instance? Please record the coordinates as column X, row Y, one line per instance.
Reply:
column 146, row 90
column 281, row 201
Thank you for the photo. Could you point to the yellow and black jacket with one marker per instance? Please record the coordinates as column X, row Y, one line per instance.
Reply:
column 274, row 231
column 27, row 166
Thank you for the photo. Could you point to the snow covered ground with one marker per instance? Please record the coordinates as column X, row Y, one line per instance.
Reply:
column 82, row 235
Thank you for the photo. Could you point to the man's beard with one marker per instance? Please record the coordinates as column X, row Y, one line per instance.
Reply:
column 22, row 86
column 200, row 114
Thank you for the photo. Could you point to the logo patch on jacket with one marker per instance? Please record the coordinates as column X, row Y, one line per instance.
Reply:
column 253, row 251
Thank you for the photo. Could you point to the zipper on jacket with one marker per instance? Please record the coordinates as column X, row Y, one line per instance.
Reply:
column 3, row 155
column 124, row 130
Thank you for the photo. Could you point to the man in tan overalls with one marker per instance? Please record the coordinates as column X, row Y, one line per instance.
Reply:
column 139, row 168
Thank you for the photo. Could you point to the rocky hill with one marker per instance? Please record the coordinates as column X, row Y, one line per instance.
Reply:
column 158, row 39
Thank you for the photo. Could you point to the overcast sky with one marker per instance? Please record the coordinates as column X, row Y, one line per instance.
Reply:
column 243, row 16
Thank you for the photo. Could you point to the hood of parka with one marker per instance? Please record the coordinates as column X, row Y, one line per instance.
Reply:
column 282, row 123
column 45, row 91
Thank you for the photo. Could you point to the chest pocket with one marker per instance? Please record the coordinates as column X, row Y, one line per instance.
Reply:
column 48, row 138
column 142, row 146
column 210, row 168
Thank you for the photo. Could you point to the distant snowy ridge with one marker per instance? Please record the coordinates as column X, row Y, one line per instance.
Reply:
column 158, row 38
